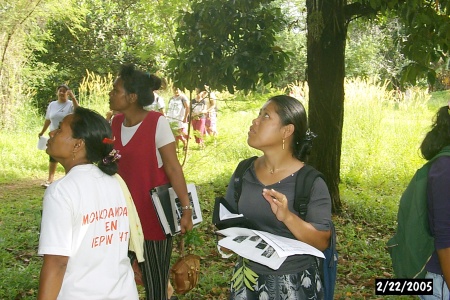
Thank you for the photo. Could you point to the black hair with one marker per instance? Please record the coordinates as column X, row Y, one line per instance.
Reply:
column 439, row 135
column 140, row 83
column 62, row 86
column 292, row 111
column 93, row 128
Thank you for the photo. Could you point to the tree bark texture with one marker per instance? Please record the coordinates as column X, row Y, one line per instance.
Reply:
column 327, row 31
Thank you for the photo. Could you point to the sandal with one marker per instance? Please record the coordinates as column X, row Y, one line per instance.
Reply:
column 45, row 184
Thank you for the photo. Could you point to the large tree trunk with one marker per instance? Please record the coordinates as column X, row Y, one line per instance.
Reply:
column 327, row 30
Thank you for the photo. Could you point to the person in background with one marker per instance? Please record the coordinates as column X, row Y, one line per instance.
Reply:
column 198, row 105
column 158, row 104
column 85, row 257
column 177, row 113
column 267, row 199
column 438, row 197
column 211, row 114
column 149, row 159
column 56, row 111
column 110, row 115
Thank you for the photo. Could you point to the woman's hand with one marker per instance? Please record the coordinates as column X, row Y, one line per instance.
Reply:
column 186, row 221
column 70, row 94
column 278, row 203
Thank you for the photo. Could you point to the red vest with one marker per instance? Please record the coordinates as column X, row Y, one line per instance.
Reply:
column 138, row 167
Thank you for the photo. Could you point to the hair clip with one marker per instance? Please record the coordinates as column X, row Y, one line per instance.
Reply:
column 108, row 140
column 309, row 136
column 112, row 157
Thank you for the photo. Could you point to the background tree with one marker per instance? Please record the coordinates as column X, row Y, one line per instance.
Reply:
column 21, row 32
column 112, row 33
column 228, row 45
column 426, row 25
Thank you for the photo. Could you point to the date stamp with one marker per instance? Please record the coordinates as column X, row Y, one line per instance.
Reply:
column 403, row 286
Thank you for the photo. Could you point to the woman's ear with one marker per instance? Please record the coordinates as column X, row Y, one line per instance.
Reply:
column 288, row 130
column 132, row 97
column 79, row 145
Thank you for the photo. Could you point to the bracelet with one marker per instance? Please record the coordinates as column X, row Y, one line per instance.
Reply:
column 187, row 207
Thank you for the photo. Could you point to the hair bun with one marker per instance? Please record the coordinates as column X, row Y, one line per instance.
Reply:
column 155, row 82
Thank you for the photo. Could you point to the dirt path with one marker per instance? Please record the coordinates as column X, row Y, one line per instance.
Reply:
column 21, row 189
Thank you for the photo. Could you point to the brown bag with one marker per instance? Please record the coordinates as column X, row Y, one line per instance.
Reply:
column 185, row 272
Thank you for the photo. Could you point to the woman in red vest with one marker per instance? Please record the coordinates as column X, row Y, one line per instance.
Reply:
column 149, row 159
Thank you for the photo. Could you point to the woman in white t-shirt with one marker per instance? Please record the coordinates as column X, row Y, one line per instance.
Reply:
column 85, row 229
column 177, row 113
column 56, row 111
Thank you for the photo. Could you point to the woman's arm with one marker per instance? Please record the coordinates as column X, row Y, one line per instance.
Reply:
column 44, row 128
column 302, row 230
column 175, row 174
column 444, row 260
column 186, row 111
column 74, row 100
column 51, row 277
column 212, row 104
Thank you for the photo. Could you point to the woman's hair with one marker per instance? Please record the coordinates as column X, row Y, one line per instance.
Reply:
column 93, row 128
column 139, row 83
column 291, row 111
column 439, row 135
column 62, row 86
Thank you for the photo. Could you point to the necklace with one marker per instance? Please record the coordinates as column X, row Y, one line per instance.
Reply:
column 273, row 170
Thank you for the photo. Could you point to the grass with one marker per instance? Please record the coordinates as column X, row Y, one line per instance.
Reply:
column 379, row 156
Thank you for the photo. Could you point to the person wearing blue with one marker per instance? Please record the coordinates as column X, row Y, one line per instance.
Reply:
column 438, row 197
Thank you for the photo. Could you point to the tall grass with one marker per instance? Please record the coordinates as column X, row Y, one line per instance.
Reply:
column 94, row 90
column 381, row 136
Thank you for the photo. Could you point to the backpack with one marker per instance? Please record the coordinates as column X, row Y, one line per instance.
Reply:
column 304, row 181
column 412, row 245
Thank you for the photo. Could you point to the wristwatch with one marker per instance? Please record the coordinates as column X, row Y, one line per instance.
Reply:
column 187, row 207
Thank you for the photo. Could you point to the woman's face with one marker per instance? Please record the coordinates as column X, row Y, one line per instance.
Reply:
column 266, row 130
column 118, row 97
column 62, row 93
column 61, row 143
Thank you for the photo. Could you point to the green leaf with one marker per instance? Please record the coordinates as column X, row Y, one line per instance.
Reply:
column 248, row 284
column 237, row 273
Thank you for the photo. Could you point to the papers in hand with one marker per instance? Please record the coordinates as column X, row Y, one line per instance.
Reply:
column 263, row 247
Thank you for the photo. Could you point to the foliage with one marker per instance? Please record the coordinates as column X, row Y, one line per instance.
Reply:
column 21, row 33
column 244, row 275
column 94, row 90
column 374, row 55
column 108, row 36
column 426, row 27
column 293, row 39
column 228, row 45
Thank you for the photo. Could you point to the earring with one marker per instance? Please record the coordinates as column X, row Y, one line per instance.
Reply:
column 283, row 144
column 73, row 155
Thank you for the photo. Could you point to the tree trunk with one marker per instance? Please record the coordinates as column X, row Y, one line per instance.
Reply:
column 327, row 31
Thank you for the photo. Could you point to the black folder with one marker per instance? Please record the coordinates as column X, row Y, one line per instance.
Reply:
column 232, row 222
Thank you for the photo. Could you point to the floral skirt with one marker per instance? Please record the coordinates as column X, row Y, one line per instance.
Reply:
column 303, row 285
